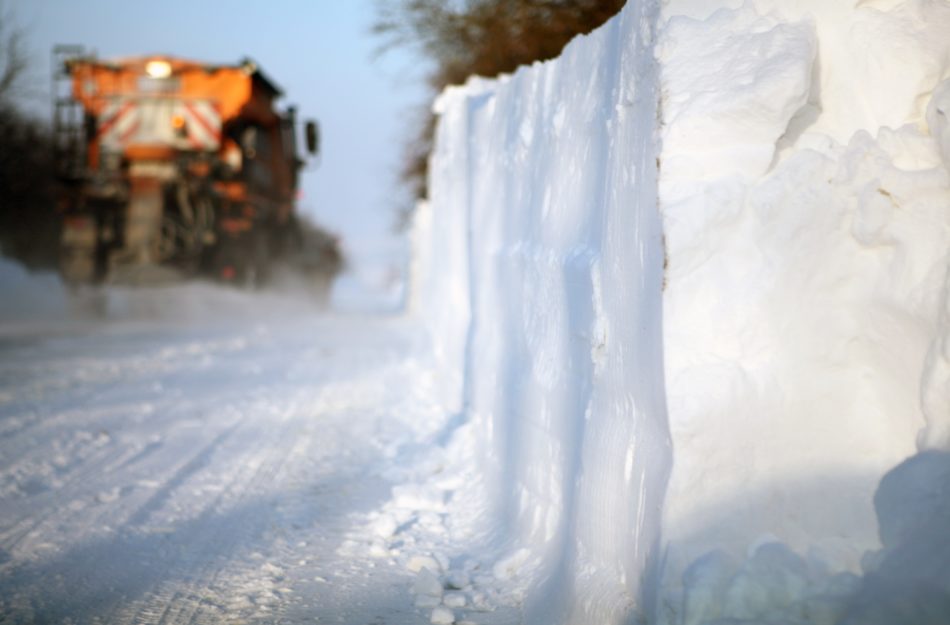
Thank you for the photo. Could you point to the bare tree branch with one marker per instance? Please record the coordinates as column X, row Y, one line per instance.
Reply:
column 479, row 37
column 14, row 61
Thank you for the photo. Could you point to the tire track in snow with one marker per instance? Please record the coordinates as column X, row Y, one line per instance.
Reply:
column 197, row 462
column 105, row 461
column 138, row 552
column 190, row 589
column 27, row 454
column 214, row 539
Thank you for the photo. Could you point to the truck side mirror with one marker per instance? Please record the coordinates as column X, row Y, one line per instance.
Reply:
column 313, row 137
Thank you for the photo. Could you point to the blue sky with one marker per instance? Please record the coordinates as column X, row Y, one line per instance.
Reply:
column 320, row 52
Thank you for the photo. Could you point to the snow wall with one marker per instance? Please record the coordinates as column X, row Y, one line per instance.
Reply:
column 764, row 186
column 546, row 244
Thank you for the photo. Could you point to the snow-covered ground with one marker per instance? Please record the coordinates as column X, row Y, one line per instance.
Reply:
column 207, row 456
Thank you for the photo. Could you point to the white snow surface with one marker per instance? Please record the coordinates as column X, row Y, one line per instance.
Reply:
column 803, row 334
column 194, row 454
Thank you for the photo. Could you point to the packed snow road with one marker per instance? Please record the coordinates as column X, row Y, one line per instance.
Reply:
column 153, row 472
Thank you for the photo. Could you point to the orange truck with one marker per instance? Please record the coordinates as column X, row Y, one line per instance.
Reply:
column 171, row 168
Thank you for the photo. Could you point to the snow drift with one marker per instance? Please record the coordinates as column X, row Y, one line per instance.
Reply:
column 547, row 247
column 803, row 194
column 805, row 212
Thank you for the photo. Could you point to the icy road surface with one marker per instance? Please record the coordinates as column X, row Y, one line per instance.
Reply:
column 159, row 473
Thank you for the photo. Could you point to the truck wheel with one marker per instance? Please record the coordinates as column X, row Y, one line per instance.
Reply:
column 78, row 252
column 261, row 257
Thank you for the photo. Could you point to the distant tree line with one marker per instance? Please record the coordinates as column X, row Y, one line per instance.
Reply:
column 479, row 37
column 29, row 225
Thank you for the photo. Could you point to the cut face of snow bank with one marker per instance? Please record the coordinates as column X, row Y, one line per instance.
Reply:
column 547, row 242
column 803, row 196
column 805, row 311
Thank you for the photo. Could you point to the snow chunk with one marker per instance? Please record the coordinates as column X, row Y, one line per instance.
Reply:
column 427, row 601
column 378, row 549
column 905, row 582
column 419, row 563
column 455, row 599
column 773, row 577
column 774, row 585
column 427, row 584
column 482, row 602
column 458, row 579
column 509, row 567
column 442, row 616
column 419, row 497
column 706, row 582
column 385, row 526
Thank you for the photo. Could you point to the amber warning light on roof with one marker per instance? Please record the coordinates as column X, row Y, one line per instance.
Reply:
column 158, row 69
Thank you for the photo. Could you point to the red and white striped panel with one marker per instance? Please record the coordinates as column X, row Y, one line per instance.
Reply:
column 203, row 124
column 150, row 121
column 118, row 124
